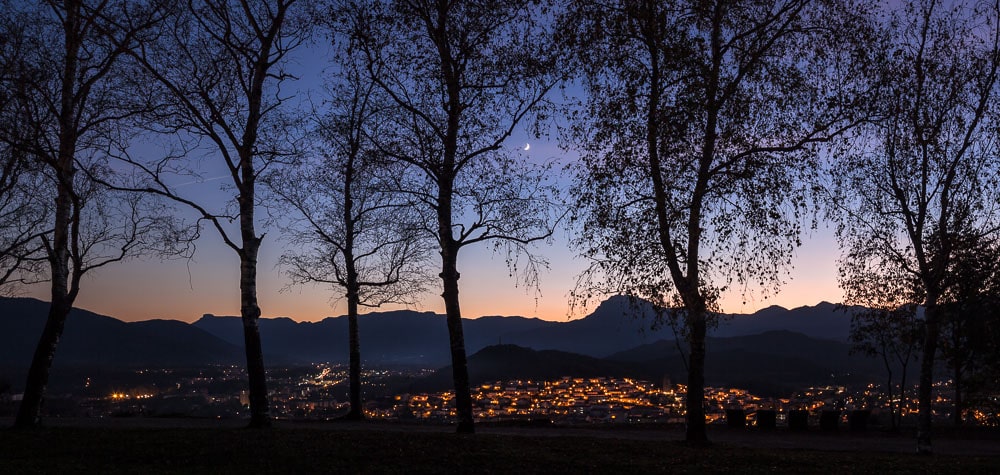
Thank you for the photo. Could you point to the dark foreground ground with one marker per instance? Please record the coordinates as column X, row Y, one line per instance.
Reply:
column 180, row 446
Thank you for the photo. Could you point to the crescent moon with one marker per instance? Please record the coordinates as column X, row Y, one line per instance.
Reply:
column 527, row 147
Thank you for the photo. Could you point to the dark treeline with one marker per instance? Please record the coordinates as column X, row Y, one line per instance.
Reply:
column 705, row 136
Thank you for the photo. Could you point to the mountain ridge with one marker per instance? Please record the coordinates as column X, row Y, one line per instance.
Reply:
column 395, row 337
column 99, row 340
column 752, row 362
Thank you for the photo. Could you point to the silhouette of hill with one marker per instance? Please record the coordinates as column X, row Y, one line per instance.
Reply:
column 616, row 324
column 90, row 339
column 422, row 337
column 768, row 363
column 823, row 320
column 283, row 339
column 621, row 322
column 397, row 337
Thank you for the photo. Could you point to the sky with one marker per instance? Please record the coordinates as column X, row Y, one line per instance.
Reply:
column 209, row 283
column 183, row 289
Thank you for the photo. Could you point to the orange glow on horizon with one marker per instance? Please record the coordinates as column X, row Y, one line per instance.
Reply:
column 182, row 290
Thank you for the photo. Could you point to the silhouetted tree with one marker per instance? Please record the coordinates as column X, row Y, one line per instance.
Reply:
column 70, row 108
column 892, row 334
column 463, row 75
column 22, row 214
column 981, row 378
column 696, row 146
column 217, row 67
column 928, row 166
column 22, row 222
column 969, row 309
column 884, row 320
column 348, row 228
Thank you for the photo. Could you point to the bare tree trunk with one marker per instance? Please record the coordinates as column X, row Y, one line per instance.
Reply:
column 249, row 312
column 958, row 361
column 449, row 255
column 695, row 403
column 29, row 412
column 459, row 363
column 902, row 394
column 925, row 392
column 888, row 387
column 696, row 318
column 357, row 410
column 957, row 381
column 353, row 290
column 62, row 294
column 889, row 393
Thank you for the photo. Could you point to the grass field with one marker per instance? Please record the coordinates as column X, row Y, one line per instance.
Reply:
column 307, row 450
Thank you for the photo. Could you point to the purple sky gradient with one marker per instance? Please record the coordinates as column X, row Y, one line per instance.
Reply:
column 184, row 290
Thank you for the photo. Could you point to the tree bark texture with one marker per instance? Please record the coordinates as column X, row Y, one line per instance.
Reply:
column 456, row 336
column 66, row 226
column 926, row 389
column 64, row 288
column 29, row 412
column 696, row 382
column 63, row 294
column 357, row 405
column 353, row 289
column 260, row 416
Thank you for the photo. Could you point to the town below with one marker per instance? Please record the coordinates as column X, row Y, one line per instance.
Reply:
column 318, row 392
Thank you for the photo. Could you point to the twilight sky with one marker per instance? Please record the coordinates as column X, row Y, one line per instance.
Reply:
column 209, row 283
column 143, row 290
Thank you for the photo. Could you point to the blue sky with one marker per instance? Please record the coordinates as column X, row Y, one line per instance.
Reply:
column 208, row 283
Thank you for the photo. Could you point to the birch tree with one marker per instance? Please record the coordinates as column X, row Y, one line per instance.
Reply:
column 349, row 228
column 22, row 214
column 928, row 167
column 697, row 140
column 215, row 72
column 71, row 104
column 464, row 76
column 969, row 312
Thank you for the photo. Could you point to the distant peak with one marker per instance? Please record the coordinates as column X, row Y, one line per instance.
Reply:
column 619, row 301
column 822, row 304
column 283, row 319
column 771, row 309
column 503, row 316
column 210, row 317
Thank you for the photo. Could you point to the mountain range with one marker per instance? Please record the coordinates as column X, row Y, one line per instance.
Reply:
column 770, row 363
column 622, row 336
column 407, row 337
column 96, row 340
